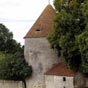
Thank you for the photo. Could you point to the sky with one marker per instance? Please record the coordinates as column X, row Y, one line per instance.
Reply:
column 19, row 15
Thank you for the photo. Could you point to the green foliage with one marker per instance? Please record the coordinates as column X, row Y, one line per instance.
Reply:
column 82, row 41
column 14, row 67
column 70, row 30
column 7, row 43
column 12, row 63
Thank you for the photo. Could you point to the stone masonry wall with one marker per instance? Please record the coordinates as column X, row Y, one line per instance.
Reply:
column 57, row 82
column 81, row 81
column 39, row 54
column 10, row 84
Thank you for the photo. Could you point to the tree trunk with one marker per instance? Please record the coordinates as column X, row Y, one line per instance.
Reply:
column 24, row 82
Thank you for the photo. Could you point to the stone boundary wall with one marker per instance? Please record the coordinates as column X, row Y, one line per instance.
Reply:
column 10, row 84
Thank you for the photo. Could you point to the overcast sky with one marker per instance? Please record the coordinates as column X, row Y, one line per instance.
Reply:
column 19, row 15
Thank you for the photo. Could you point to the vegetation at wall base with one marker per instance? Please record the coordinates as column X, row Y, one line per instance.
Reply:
column 13, row 66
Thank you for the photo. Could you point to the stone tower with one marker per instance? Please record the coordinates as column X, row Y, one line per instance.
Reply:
column 37, row 48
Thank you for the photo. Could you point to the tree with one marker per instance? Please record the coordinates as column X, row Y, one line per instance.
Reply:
column 14, row 67
column 7, row 43
column 70, row 25
column 82, row 41
column 12, row 63
column 4, row 36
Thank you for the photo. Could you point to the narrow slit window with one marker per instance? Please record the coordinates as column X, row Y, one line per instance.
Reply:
column 64, row 78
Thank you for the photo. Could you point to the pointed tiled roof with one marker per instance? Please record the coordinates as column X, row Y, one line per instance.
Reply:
column 43, row 25
column 60, row 69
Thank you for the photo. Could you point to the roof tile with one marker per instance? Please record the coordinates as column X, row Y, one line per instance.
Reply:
column 60, row 69
column 43, row 25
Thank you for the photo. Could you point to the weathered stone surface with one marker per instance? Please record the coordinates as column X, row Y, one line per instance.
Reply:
column 80, row 80
column 57, row 82
column 10, row 84
column 39, row 54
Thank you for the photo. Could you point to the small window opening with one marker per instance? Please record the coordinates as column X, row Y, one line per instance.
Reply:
column 38, row 30
column 64, row 78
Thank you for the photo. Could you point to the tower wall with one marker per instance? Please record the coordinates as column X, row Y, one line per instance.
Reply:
column 39, row 54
